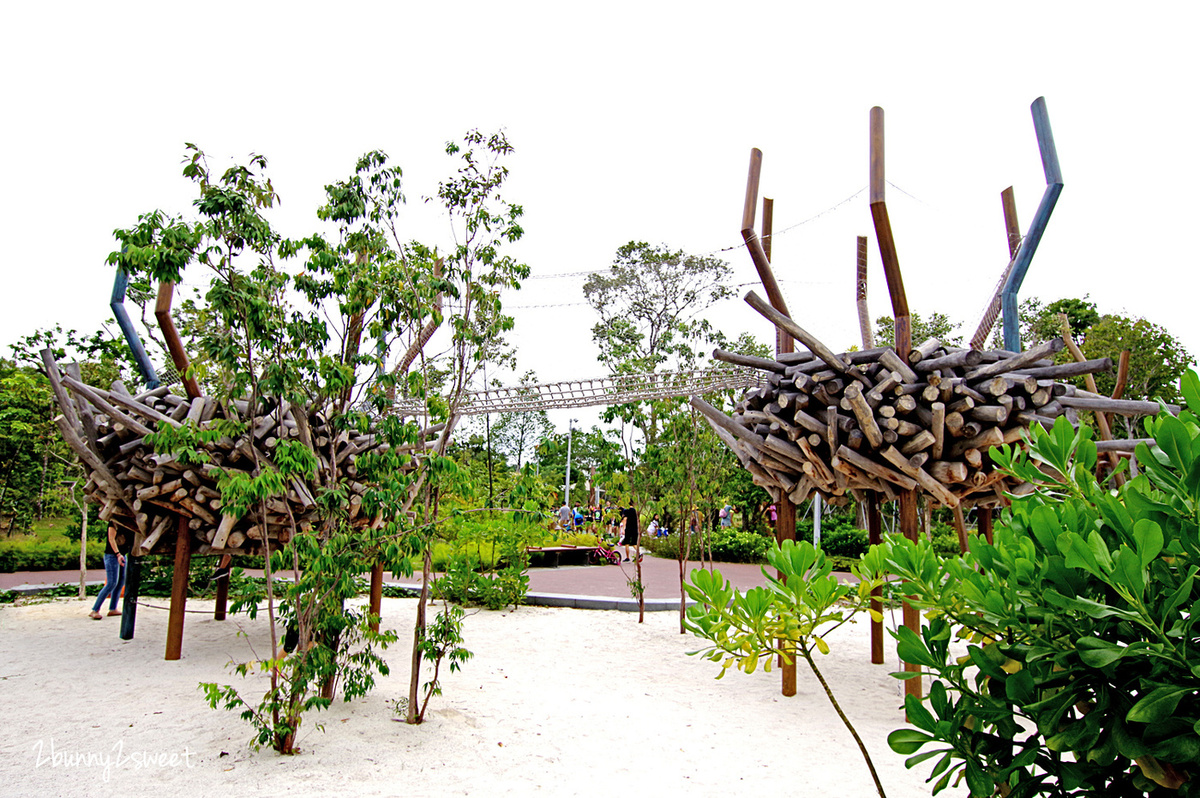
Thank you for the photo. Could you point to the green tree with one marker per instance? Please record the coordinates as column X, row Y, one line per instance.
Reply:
column 362, row 290
column 650, row 304
column 1157, row 359
column 936, row 325
column 27, row 438
column 517, row 433
column 593, row 449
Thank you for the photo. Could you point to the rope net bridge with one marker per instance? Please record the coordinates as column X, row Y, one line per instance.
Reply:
column 612, row 390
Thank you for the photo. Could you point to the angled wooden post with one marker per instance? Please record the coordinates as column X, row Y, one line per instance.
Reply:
column 883, row 235
column 754, row 245
column 1008, row 201
column 891, row 270
column 162, row 312
column 992, row 311
column 860, row 295
column 179, row 589
column 785, row 522
column 1041, row 217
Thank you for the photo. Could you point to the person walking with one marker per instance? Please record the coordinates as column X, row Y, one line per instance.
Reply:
column 629, row 532
column 114, row 576
column 565, row 516
column 726, row 516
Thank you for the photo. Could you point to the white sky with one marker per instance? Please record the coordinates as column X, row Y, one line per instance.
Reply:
column 631, row 121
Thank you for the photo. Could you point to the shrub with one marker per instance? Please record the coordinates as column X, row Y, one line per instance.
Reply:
column 31, row 554
column 738, row 545
column 462, row 584
column 1080, row 674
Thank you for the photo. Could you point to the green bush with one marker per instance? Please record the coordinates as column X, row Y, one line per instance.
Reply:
column 579, row 539
column 1080, row 623
column 462, row 584
column 31, row 554
column 668, row 547
column 738, row 545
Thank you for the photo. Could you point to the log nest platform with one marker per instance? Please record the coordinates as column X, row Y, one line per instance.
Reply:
column 150, row 496
column 844, row 424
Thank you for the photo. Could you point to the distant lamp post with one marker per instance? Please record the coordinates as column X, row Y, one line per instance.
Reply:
column 83, row 516
column 567, row 480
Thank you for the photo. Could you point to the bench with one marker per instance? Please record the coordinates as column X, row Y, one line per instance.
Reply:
column 551, row 556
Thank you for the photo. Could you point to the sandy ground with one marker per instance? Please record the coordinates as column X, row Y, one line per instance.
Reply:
column 555, row 702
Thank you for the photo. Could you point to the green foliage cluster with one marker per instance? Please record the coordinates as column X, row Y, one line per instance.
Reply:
column 485, row 563
column 936, row 325
column 839, row 536
column 320, row 337
column 463, row 585
column 1080, row 673
column 790, row 617
column 32, row 554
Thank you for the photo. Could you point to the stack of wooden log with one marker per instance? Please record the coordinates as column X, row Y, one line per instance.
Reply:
column 146, row 493
column 839, row 424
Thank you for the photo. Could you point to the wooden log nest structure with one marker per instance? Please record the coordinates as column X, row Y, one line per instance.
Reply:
column 845, row 424
column 149, row 496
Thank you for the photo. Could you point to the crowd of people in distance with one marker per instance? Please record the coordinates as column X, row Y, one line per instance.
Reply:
column 617, row 525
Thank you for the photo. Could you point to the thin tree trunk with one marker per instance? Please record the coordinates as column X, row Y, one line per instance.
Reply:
column 853, row 732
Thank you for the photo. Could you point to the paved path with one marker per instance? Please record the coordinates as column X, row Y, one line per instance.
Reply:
column 588, row 586
column 661, row 578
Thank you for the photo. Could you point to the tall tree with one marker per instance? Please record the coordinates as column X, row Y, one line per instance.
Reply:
column 1157, row 359
column 935, row 325
column 516, row 434
column 649, row 305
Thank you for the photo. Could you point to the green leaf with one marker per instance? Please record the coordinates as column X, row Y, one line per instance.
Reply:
column 1173, row 438
column 917, row 714
column 1149, row 538
column 1156, row 705
column 907, row 741
column 979, row 782
column 911, row 648
column 1098, row 653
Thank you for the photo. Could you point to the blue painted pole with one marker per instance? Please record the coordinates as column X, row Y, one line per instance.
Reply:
column 117, row 303
column 1029, row 245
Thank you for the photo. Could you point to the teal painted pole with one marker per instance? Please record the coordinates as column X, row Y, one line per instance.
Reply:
column 1029, row 244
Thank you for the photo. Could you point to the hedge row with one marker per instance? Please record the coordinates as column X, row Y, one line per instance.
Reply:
column 32, row 554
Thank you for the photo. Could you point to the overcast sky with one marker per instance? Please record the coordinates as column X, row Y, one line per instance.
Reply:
column 632, row 121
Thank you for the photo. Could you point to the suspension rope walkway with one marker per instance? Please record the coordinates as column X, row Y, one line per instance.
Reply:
column 611, row 390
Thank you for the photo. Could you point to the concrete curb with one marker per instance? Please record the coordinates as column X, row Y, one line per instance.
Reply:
column 576, row 602
column 33, row 590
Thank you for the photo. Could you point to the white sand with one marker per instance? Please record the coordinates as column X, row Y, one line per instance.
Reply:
column 555, row 702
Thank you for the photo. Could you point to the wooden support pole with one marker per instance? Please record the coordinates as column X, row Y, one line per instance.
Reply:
column 984, row 514
column 376, row 602
column 785, row 529
column 875, row 535
column 222, row 600
column 910, row 528
column 960, row 526
column 133, row 587
column 179, row 589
